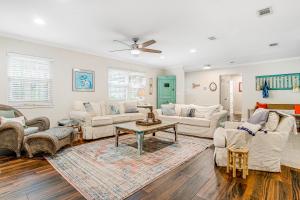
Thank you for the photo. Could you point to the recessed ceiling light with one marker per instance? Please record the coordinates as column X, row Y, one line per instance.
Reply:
column 135, row 52
column 193, row 50
column 212, row 38
column 207, row 67
column 39, row 21
column 273, row 44
column 162, row 57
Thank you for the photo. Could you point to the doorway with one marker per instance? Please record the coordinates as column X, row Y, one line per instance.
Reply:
column 231, row 88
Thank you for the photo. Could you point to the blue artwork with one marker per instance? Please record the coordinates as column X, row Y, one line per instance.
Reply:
column 83, row 80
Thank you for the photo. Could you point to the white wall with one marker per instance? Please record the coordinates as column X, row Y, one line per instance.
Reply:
column 180, row 82
column 64, row 61
column 250, row 95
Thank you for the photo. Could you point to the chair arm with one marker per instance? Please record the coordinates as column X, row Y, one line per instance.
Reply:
column 16, row 130
column 232, row 125
column 81, row 115
column 42, row 123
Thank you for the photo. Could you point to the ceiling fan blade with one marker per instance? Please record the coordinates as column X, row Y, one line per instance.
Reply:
column 150, row 50
column 121, row 42
column 148, row 43
column 120, row 50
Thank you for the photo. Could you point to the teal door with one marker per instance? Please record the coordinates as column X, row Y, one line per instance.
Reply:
column 166, row 90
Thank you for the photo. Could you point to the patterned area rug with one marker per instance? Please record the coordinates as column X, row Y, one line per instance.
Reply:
column 99, row 170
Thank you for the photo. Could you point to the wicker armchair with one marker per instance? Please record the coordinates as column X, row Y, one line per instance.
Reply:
column 12, row 134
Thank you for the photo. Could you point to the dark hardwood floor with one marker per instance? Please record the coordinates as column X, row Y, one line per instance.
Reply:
column 198, row 179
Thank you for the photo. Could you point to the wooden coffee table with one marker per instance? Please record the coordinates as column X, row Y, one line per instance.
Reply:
column 140, row 131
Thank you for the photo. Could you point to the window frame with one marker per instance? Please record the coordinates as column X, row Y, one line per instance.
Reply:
column 31, row 104
column 126, row 87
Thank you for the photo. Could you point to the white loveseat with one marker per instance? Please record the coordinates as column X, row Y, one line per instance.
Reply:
column 100, row 123
column 195, row 126
column 265, row 148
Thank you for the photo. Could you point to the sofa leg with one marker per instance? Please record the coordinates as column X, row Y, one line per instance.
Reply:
column 18, row 154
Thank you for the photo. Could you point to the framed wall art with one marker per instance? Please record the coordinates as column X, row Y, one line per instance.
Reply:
column 83, row 80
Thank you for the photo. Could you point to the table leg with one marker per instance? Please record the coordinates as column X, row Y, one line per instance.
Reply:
column 117, row 137
column 140, row 139
column 175, row 133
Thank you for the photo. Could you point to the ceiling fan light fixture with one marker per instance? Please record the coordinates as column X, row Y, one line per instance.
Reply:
column 135, row 52
column 193, row 50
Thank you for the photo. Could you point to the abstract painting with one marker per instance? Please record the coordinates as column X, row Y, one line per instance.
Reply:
column 83, row 80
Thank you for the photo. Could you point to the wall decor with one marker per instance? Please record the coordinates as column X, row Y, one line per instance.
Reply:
column 240, row 86
column 194, row 85
column 279, row 82
column 150, row 86
column 213, row 86
column 83, row 80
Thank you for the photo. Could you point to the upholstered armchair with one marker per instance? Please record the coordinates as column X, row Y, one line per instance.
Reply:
column 12, row 133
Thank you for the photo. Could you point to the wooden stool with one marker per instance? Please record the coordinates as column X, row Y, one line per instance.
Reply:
column 237, row 159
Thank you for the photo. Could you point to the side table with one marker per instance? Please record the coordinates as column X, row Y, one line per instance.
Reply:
column 237, row 159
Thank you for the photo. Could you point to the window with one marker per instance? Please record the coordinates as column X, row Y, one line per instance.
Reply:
column 29, row 81
column 126, row 85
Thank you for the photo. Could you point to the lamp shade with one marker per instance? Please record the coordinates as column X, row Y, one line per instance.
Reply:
column 141, row 92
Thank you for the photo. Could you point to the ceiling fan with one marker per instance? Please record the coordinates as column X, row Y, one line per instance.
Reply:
column 135, row 48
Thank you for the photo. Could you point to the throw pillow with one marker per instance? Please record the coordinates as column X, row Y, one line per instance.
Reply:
column 114, row 109
column 7, row 113
column 130, row 107
column 20, row 120
column 260, row 116
column 192, row 112
column 261, row 105
column 273, row 121
column 205, row 111
column 185, row 111
column 88, row 107
column 297, row 109
column 250, row 128
column 168, row 109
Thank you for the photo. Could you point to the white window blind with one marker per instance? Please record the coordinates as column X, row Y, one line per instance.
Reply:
column 29, row 81
column 126, row 85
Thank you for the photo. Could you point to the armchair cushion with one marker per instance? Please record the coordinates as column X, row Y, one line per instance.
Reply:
column 7, row 113
column 20, row 120
column 30, row 130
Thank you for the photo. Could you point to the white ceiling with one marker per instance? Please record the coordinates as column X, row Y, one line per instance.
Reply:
column 176, row 25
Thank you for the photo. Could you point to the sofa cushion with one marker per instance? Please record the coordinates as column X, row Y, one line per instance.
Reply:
column 120, row 118
column 169, row 118
column 195, row 121
column 101, row 121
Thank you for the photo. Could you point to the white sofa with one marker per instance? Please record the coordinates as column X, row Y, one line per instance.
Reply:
column 100, row 123
column 265, row 149
column 195, row 126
